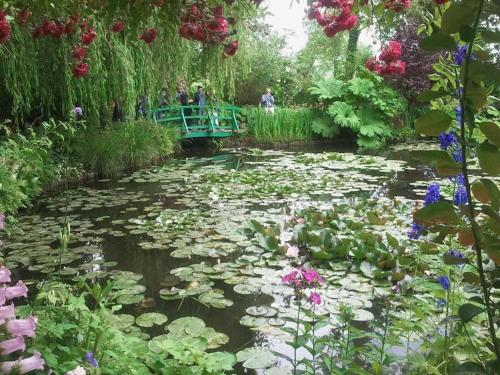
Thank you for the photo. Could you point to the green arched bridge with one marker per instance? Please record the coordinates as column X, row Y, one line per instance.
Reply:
column 199, row 122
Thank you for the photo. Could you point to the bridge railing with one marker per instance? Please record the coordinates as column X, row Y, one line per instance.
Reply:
column 198, row 121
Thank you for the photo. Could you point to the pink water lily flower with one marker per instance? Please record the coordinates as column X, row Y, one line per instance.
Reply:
column 4, row 275
column 13, row 345
column 292, row 252
column 21, row 327
column 23, row 366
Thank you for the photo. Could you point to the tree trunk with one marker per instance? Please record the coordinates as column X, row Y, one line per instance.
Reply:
column 352, row 47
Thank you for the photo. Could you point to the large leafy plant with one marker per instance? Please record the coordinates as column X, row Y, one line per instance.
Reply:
column 364, row 104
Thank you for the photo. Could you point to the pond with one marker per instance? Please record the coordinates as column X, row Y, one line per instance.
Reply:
column 177, row 237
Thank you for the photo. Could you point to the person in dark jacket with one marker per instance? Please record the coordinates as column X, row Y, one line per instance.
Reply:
column 183, row 98
column 200, row 100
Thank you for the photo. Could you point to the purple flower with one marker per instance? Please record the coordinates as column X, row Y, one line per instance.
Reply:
column 13, row 345
column 414, row 232
column 89, row 357
column 78, row 111
column 457, row 155
column 444, row 281
column 315, row 298
column 312, row 277
column 7, row 312
column 448, row 139
column 458, row 112
column 460, row 54
column 432, row 195
column 459, row 179
column 21, row 327
column 35, row 362
column 4, row 275
column 460, row 197
column 456, row 254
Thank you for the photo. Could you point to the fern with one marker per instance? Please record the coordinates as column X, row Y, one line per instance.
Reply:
column 328, row 89
column 325, row 128
column 344, row 115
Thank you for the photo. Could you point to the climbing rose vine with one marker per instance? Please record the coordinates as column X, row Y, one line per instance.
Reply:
column 388, row 62
column 333, row 15
column 5, row 31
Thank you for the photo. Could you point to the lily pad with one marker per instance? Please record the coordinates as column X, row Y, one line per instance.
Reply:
column 150, row 319
column 256, row 358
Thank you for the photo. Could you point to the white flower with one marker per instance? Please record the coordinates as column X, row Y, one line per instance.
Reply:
column 292, row 252
column 77, row 371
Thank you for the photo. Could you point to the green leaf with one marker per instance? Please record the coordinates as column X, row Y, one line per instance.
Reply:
column 451, row 260
column 433, row 123
column 427, row 96
column 437, row 42
column 457, row 15
column 150, row 319
column 468, row 311
column 491, row 131
column 437, row 213
column 219, row 361
column 469, row 368
column 466, row 33
column 489, row 157
column 482, row 71
column 256, row 358
column 491, row 36
column 448, row 168
column 477, row 96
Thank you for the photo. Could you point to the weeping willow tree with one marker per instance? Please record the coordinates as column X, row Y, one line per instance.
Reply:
column 36, row 74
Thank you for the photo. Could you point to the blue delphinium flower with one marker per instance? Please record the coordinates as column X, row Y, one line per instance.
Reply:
column 456, row 254
column 460, row 54
column 444, row 281
column 458, row 112
column 448, row 139
column 456, row 154
column 460, row 196
column 89, row 357
column 414, row 232
column 432, row 195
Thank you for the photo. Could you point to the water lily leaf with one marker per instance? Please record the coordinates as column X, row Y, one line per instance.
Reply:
column 256, row 358
column 123, row 321
column 262, row 311
column 245, row 289
column 252, row 321
column 219, row 361
column 150, row 319
column 188, row 325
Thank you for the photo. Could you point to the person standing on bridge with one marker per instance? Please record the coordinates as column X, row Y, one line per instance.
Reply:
column 200, row 100
column 267, row 101
column 184, row 101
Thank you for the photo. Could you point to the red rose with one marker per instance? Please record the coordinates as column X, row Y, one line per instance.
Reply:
column 391, row 52
column 88, row 37
column 79, row 53
column 81, row 70
column 118, row 27
column 23, row 17
column 231, row 48
column 185, row 30
column 48, row 27
column 5, row 31
column 218, row 11
column 58, row 31
column 149, row 36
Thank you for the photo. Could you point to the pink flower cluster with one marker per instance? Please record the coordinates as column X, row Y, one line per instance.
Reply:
column 388, row 62
column 302, row 278
column 5, row 31
column 208, row 25
column 333, row 15
column 16, row 329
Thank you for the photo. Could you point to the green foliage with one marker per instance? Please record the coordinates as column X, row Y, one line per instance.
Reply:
column 365, row 104
column 123, row 146
column 286, row 124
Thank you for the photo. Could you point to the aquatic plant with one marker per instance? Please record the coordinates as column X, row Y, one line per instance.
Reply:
column 285, row 125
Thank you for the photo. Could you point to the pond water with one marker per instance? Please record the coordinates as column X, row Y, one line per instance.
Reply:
column 173, row 236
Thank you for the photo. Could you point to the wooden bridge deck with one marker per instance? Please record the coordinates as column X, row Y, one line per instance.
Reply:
column 199, row 122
